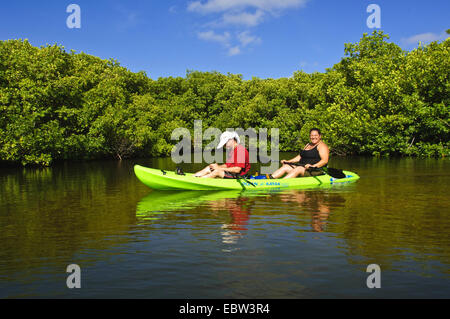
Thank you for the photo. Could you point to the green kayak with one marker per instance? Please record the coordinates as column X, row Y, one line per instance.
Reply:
column 167, row 180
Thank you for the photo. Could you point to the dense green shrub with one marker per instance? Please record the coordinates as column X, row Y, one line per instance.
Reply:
column 378, row 100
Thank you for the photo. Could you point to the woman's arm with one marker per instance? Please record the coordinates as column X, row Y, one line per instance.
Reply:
column 293, row 160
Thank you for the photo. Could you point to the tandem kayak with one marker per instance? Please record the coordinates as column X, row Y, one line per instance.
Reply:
column 167, row 180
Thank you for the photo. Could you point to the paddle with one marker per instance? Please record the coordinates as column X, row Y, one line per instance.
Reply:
column 239, row 181
column 242, row 177
column 333, row 172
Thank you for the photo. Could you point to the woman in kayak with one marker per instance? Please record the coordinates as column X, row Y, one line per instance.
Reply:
column 315, row 154
column 237, row 163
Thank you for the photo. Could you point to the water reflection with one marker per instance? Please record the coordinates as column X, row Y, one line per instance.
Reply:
column 209, row 207
column 317, row 204
column 239, row 210
column 174, row 244
column 48, row 216
column 153, row 206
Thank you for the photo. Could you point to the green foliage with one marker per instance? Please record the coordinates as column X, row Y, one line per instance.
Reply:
column 378, row 100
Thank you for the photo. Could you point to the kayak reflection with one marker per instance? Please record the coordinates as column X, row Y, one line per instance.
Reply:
column 158, row 202
column 239, row 205
column 236, row 204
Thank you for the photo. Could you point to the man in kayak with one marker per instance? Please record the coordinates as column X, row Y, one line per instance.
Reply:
column 315, row 154
column 238, row 162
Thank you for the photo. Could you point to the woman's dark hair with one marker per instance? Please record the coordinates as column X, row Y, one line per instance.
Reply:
column 315, row 129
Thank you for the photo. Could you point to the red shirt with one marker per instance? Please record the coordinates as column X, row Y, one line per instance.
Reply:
column 239, row 158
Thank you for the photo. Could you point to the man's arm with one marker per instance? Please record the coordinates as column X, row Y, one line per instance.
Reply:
column 235, row 169
column 223, row 167
column 217, row 166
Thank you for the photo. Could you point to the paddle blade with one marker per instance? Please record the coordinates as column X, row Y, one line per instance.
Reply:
column 334, row 172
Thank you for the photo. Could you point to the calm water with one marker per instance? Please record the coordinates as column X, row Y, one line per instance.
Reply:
column 133, row 242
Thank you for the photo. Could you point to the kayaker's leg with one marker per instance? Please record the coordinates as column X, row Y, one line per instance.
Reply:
column 203, row 172
column 282, row 170
column 215, row 173
column 299, row 170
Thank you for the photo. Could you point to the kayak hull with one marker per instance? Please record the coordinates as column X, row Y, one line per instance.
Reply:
column 156, row 179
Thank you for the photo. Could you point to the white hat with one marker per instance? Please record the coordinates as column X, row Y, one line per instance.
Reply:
column 226, row 136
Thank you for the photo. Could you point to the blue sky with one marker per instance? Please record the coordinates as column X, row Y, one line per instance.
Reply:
column 262, row 38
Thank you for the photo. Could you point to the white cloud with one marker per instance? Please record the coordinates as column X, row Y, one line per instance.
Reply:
column 215, row 37
column 225, row 40
column 425, row 37
column 243, row 18
column 241, row 15
column 242, row 12
column 214, row 6
column 245, row 38
column 234, row 51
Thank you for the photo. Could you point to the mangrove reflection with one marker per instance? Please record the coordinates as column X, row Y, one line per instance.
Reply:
column 56, row 213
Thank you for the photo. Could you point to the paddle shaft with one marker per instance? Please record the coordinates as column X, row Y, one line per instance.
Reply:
column 333, row 172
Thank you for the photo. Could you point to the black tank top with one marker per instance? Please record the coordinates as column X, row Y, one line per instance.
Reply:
column 311, row 156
